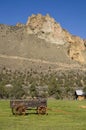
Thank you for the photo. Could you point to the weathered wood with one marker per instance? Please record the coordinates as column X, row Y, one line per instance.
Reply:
column 19, row 109
column 42, row 110
column 20, row 106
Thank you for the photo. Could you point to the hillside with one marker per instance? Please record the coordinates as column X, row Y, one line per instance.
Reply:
column 39, row 44
column 40, row 58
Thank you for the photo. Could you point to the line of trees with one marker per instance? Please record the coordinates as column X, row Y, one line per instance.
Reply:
column 60, row 85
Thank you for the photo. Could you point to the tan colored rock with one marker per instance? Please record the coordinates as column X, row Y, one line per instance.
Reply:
column 76, row 47
column 84, row 43
column 68, row 36
column 46, row 28
column 76, row 54
column 20, row 25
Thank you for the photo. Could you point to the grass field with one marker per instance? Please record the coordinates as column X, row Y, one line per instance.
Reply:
column 62, row 115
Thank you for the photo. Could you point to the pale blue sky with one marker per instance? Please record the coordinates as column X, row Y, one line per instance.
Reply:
column 71, row 14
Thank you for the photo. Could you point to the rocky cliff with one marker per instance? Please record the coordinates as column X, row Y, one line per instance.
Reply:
column 47, row 28
column 40, row 43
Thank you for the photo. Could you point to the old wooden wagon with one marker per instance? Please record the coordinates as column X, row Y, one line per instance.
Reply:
column 20, row 107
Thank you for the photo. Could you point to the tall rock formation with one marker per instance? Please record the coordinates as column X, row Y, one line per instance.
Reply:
column 76, row 46
column 46, row 28
column 40, row 42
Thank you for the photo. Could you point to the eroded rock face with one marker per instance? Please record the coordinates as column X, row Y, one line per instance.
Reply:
column 76, row 47
column 46, row 28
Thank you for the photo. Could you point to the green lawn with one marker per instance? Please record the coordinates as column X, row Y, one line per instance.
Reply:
column 62, row 115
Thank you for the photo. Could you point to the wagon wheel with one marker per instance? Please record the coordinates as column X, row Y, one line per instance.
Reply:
column 41, row 110
column 19, row 109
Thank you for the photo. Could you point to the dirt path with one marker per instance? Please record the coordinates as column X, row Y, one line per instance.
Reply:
column 38, row 61
column 28, row 59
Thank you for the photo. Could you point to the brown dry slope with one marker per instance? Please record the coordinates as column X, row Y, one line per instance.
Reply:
column 41, row 42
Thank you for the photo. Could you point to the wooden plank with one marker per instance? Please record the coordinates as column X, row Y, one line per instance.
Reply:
column 29, row 103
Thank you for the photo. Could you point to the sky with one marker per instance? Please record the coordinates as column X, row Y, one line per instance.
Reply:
column 70, row 14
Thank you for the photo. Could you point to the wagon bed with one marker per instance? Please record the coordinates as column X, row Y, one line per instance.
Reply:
column 37, row 104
